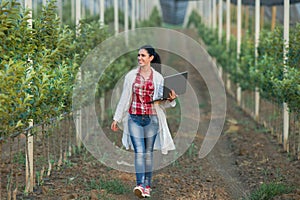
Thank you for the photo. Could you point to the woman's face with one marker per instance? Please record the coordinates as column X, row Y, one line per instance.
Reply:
column 144, row 59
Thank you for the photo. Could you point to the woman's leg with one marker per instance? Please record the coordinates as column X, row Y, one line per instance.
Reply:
column 137, row 137
column 150, row 132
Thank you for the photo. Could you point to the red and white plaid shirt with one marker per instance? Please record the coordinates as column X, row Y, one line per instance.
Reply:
column 143, row 91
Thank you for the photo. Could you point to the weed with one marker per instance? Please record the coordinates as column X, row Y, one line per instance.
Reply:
column 192, row 150
column 19, row 158
column 268, row 191
column 38, row 178
column 68, row 163
column 175, row 158
column 261, row 129
column 111, row 186
column 266, row 172
column 278, row 175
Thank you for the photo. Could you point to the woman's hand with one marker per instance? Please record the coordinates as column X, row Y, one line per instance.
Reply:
column 172, row 95
column 114, row 126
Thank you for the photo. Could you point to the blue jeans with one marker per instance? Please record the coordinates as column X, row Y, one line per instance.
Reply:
column 143, row 130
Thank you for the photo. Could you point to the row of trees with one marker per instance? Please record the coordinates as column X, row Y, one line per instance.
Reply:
column 275, row 79
column 38, row 64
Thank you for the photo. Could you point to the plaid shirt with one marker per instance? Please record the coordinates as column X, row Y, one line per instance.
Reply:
column 142, row 92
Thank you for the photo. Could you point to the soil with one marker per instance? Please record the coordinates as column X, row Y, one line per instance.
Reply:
column 245, row 157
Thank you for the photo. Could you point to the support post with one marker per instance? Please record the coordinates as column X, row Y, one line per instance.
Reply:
column 133, row 14
column 239, row 41
column 220, row 21
column 257, row 30
column 228, row 21
column 102, row 10
column 116, row 16
column 286, row 25
column 126, row 21
column 214, row 14
column 29, row 161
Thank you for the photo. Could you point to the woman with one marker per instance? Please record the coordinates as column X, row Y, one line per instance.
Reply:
column 145, row 124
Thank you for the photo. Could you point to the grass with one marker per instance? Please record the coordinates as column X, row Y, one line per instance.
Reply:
column 19, row 158
column 268, row 191
column 113, row 186
column 192, row 151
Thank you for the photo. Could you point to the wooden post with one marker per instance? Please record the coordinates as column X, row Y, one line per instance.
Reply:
column 239, row 42
column 286, row 24
column 274, row 9
column 78, row 112
column 126, row 22
column 220, row 21
column 102, row 10
column 228, row 21
column 214, row 15
column 29, row 136
column 116, row 16
column 78, row 12
column 257, row 30
column 133, row 14
column 29, row 160
column 49, row 157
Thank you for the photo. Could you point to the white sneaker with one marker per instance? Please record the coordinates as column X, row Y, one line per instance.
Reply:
column 139, row 191
column 147, row 191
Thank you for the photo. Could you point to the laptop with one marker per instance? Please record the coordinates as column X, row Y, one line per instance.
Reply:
column 176, row 82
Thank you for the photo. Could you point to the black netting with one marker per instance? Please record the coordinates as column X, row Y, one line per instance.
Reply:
column 265, row 2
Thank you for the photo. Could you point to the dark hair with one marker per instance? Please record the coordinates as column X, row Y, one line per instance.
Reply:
column 152, row 52
column 156, row 62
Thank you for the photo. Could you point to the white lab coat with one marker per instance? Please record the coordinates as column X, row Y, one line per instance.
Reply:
column 164, row 141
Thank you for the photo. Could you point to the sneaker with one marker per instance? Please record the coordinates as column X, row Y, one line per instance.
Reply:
column 147, row 191
column 139, row 191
